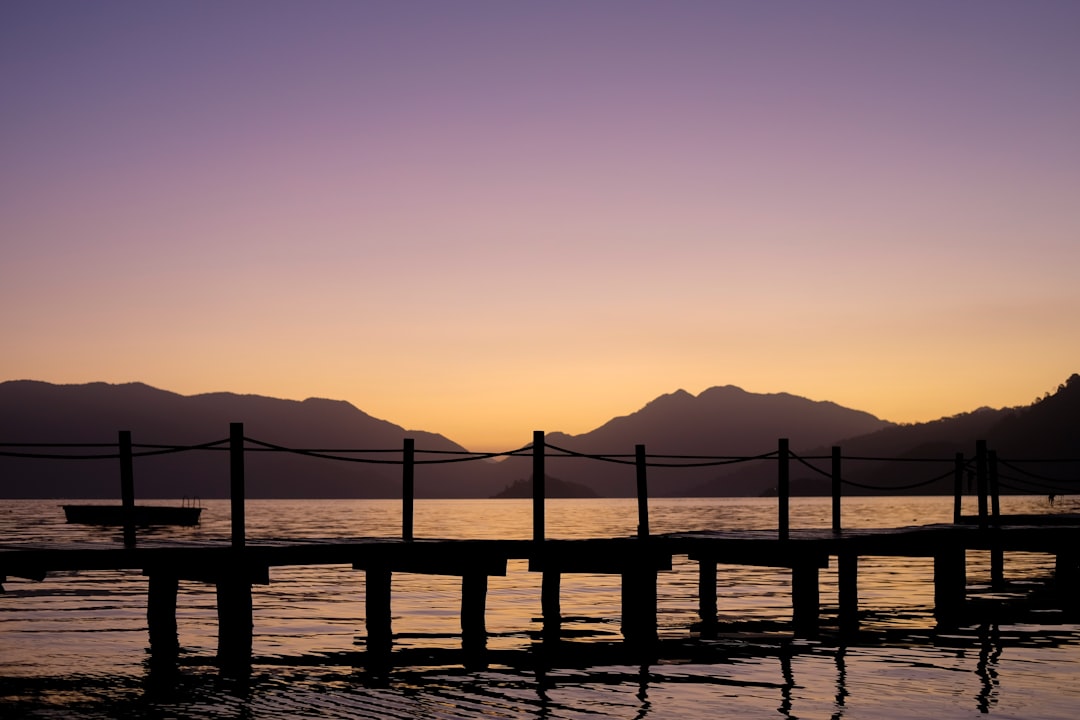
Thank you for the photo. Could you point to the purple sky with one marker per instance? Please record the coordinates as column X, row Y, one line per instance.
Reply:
column 484, row 218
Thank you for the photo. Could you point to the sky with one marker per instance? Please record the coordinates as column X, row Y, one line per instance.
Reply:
column 484, row 218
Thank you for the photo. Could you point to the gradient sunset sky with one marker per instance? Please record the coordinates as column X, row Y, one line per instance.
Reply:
column 485, row 218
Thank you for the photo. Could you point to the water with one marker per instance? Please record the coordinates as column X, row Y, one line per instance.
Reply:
column 75, row 645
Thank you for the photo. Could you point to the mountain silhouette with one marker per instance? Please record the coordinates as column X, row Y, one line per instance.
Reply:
column 37, row 412
column 720, row 421
column 1046, row 430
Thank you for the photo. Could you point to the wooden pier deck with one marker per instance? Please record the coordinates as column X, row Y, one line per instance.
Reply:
column 636, row 561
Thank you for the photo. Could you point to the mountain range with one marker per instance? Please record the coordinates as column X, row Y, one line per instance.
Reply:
column 719, row 421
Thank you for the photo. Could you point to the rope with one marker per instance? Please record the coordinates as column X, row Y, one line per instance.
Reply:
column 45, row 456
column 617, row 459
column 1029, row 473
column 812, row 467
column 1031, row 484
column 908, row 486
column 169, row 449
column 887, row 459
column 157, row 450
column 1045, row 460
column 316, row 453
column 58, row 445
column 471, row 456
column 712, row 460
column 325, row 454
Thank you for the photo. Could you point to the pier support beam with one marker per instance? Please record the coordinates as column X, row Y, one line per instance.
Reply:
column 950, row 583
column 474, row 588
column 1067, row 572
column 377, row 606
column 847, row 570
column 707, row 593
column 805, row 598
column 234, row 621
column 550, row 605
column 639, row 606
column 161, row 616
column 997, row 566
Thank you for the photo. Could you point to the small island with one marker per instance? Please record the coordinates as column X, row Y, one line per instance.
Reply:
column 553, row 488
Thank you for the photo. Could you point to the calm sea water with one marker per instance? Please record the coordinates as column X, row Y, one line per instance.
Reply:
column 75, row 645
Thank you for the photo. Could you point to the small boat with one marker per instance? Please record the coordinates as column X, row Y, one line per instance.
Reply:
column 143, row 514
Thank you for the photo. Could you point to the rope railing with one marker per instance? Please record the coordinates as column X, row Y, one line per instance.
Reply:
column 865, row 486
column 60, row 456
column 1012, row 466
column 985, row 466
column 344, row 454
column 150, row 450
column 1027, row 485
column 906, row 486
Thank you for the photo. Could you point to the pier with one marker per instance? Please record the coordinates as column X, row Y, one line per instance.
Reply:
column 633, row 562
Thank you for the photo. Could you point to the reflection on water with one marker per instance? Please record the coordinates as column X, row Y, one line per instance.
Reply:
column 75, row 644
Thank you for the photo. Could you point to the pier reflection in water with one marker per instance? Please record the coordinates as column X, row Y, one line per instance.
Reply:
column 76, row 644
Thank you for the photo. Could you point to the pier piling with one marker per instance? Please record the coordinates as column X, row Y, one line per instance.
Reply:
column 127, row 487
column 958, row 487
column 707, row 593
column 837, row 482
column 377, row 582
column 550, row 604
column 161, row 615
column 639, row 606
column 236, row 484
column 474, row 587
column 642, row 491
column 805, row 598
column 848, row 591
column 950, row 583
column 538, row 485
column 783, row 489
column 235, row 620
column 408, row 453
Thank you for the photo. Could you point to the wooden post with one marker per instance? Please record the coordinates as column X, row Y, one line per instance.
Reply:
column 127, row 487
column 995, row 496
column 848, row 580
column 377, row 606
column 837, row 481
column 1067, row 573
column 408, row 453
column 950, row 583
column 639, row 606
column 707, row 592
column 805, row 598
column 235, row 619
column 161, row 616
column 550, row 606
column 474, row 588
column 783, row 490
column 980, row 478
column 958, row 488
column 236, row 483
column 538, row 485
column 997, row 553
column 642, row 492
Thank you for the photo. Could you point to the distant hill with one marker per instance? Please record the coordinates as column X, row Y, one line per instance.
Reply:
column 553, row 488
column 93, row 413
column 1047, row 429
column 720, row 421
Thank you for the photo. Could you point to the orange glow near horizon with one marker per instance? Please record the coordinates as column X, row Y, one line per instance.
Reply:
column 489, row 220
